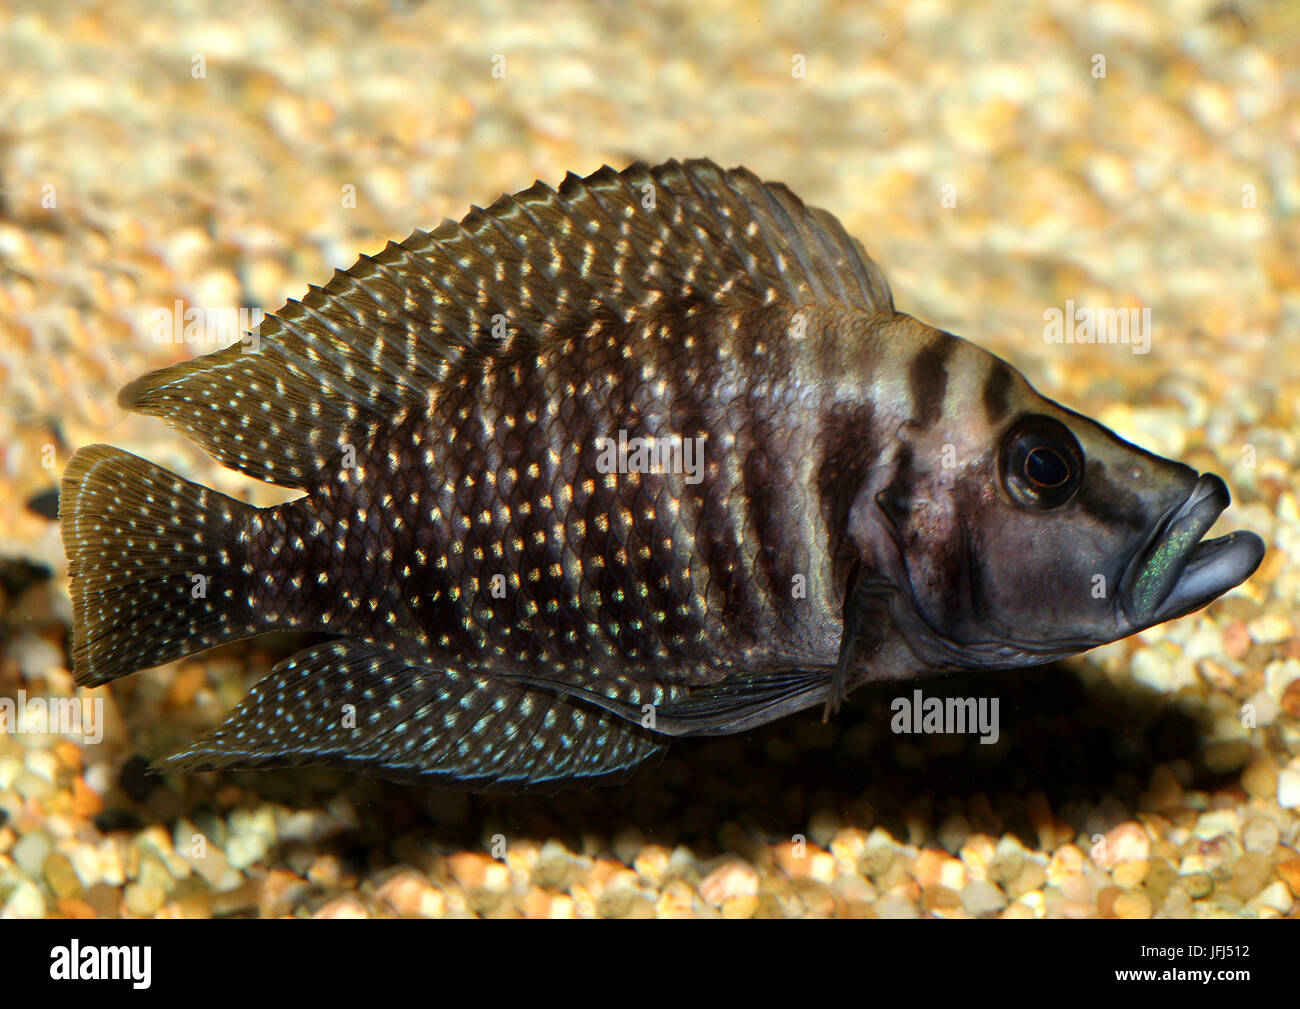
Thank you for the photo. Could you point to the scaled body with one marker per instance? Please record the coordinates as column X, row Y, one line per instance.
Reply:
column 871, row 498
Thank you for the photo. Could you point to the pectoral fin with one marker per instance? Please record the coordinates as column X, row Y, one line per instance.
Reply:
column 738, row 703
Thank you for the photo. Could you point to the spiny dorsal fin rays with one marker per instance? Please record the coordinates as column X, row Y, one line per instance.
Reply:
column 390, row 330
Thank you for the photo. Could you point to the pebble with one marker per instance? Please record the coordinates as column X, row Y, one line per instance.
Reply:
column 211, row 863
column 1275, row 896
column 879, row 853
column 1130, row 874
column 237, row 900
column 78, row 910
column 1289, row 872
column 553, row 867
column 979, row 896
column 410, row 895
column 1132, row 904
column 977, row 854
column 1125, row 842
column 1178, row 904
column 1224, row 758
column 823, row 825
column 192, row 897
column 305, row 825
column 1218, row 855
column 1030, row 878
column 1198, row 884
column 896, row 907
column 86, row 802
column 345, row 906
column 1236, row 640
column 651, row 863
column 740, row 907
column 1259, row 779
column 31, row 851
column 35, row 656
column 143, row 900
column 1290, row 700
column 243, row 850
column 1164, row 792
column 953, row 832
column 938, row 897
column 152, row 871
column 1066, row 861
column 1008, row 859
column 1249, row 874
column 1288, row 785
column 627, row 844
column 33, row 787
column 1260, row 834
column 927, row 866
column 729, row 880
column 676, row 900
column 25, row 901
column 1270, row 629
column 1216, row 823
column 106, row 899
column 61, row 876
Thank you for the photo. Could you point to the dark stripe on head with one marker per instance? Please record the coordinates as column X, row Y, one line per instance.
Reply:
column 928, row 379
column 997, row 388
column 1106, row 501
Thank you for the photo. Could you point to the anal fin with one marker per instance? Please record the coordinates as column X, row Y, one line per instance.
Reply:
column 362, row 707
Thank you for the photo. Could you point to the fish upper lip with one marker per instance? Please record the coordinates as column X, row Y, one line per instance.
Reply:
column 1177, row 571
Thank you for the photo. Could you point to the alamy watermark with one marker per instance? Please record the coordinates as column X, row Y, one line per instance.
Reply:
column 206, row 326
column 920, row 714
column 1131, row 326
column 664, row 454
column 64, row 716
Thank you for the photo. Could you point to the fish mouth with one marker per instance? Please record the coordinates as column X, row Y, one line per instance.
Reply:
column 1178, row 571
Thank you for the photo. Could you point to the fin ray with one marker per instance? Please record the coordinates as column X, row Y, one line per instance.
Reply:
column 742, row 701
column 414, row 723
column 140, row 540
column 385, row 333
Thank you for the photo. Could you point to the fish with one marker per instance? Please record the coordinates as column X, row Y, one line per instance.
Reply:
column 647, row 456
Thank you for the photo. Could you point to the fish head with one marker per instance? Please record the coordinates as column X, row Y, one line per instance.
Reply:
column 1016, row 531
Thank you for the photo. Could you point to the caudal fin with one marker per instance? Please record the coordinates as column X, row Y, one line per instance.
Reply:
column 155, row 564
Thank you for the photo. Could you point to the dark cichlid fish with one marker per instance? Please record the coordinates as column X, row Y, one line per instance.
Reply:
column 652, row 455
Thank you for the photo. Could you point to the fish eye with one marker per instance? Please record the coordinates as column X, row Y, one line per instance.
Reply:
column 1041, row 463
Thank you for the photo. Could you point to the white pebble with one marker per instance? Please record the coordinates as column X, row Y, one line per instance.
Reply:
column 25, row 902
column 1216, row 822
column 1275, row 895
column 1288, row 785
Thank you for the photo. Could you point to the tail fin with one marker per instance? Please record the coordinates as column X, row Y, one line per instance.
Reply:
column 155, row 563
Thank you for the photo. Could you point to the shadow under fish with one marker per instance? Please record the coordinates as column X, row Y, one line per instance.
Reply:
column 529, row 579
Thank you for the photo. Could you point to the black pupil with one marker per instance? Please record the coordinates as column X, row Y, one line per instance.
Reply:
column 1045, row 467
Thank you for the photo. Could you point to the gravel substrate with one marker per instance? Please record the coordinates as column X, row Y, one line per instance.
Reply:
column 148, row 156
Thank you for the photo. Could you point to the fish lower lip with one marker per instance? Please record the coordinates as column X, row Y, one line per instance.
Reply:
column 1178, row 571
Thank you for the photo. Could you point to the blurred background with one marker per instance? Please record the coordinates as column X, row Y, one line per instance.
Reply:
column 998, row 163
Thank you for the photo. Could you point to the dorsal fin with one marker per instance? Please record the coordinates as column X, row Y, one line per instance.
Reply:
column 540, row 265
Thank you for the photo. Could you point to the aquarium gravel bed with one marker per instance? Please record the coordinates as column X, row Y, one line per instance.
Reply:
column 151, row 162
